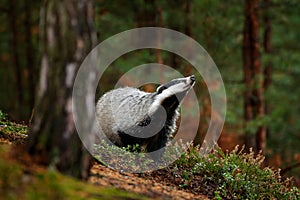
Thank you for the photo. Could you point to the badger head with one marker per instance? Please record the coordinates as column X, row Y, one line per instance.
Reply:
column 162, row 111
column 170, row 95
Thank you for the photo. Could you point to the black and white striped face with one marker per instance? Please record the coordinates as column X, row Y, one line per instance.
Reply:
column 176, row 86
column 170, row 95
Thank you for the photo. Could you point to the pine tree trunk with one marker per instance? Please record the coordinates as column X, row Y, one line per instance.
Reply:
column 268, row 51
column 67, row 36
column 12, row 15
column 254, row 108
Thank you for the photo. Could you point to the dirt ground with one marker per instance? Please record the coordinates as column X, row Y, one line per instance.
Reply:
column 101, row 175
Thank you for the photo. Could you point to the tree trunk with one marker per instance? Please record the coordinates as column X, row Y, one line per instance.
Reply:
column 253, row 77
column 188, row 31
column 12, row 16
column 248, row 110
column 30, row 62
column 187, row 15
column 268, row 68
column 67, row 35
column 159, row 24
column 267, row 50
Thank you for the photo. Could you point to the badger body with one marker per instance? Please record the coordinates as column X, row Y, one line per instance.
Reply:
column 129, row 116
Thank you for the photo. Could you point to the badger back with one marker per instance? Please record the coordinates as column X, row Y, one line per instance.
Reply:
column 123, row 109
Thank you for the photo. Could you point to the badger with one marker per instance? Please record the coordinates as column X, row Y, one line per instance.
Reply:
column 129, row 116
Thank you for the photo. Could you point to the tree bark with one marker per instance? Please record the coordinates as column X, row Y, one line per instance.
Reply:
column 15, row 52
column 67, row 35
column 268, row 66
column 187, row 15
column 159, row 24
column 267, row 50
column 30, row 62
column 254, row 108
column 188, row 30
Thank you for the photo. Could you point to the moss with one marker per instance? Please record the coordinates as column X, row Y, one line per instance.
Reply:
column 49, row 184
column 11, row 131
column 52, row 185
column 10, row 181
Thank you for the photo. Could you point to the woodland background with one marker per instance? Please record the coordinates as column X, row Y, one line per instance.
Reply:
column 257, row 54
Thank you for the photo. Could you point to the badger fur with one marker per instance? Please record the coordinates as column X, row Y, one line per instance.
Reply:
column 128, row 116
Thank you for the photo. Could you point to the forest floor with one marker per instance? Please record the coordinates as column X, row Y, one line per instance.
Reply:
column 151, row 187
column 218, row 175
column 100, row 175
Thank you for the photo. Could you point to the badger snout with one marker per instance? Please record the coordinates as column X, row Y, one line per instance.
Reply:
column 192, row 79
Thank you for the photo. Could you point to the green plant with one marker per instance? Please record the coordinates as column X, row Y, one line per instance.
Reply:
column 3, row 116
column 234, row 175
column 17, row 183
column 10, row 130
column 125, row 158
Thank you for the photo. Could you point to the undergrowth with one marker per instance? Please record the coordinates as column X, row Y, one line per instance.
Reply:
column 11, row 131
column 134, row 158
column 229, row 175
column 233, row 175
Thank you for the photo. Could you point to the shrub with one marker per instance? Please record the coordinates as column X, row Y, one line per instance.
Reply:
column 234, row 175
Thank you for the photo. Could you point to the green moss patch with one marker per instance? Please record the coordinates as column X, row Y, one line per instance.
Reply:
column 18, row 183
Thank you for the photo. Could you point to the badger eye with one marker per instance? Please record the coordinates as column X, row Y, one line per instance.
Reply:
column 160, row 89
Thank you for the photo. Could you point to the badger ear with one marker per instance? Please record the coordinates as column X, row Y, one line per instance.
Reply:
column 160, row 89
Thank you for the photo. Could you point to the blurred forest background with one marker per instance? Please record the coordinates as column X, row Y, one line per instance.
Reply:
column 257, row 53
